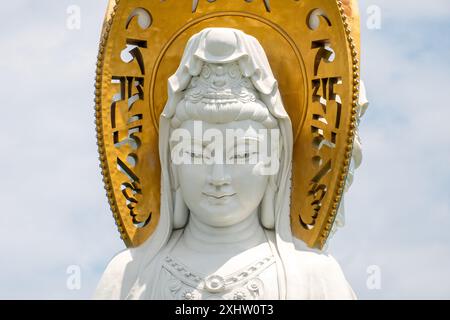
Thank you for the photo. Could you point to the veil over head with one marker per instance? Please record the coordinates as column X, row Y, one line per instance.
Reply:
column 224, row 45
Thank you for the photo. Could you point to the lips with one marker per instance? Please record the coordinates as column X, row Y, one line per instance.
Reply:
column 219, row 195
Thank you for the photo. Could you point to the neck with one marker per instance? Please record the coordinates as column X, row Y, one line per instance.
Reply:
column 247, row 234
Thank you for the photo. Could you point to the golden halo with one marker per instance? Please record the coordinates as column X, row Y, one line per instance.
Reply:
column 313, row 54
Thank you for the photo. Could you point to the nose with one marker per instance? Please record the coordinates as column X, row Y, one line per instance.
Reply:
column 218, row 177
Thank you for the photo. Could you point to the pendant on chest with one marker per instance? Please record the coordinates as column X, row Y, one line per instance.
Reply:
column 244, row 284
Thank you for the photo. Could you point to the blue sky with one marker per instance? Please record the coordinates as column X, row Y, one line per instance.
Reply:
column 54, row 212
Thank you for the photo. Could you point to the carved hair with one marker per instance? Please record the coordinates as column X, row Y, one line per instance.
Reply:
column 236, row 99
column 226, row 113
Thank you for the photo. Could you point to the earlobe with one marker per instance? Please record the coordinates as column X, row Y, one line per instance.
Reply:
column 268, row 207
column 180, row 211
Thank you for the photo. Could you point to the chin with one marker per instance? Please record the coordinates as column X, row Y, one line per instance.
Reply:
column 222, row 223
column 218, row 209
column 219, row 217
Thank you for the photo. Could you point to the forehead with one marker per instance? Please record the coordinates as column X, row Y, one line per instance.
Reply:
column 250, row 127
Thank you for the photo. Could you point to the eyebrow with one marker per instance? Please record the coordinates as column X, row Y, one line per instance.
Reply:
column 200, row 142
column 248, row 138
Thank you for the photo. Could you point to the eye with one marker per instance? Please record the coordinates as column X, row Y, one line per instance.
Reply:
column 193, row 155
column 242, row 155
column 245, row 155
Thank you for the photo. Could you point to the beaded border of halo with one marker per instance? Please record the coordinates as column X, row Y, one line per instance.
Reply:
column 351, row 133
column 101, row 145
column 98, row 123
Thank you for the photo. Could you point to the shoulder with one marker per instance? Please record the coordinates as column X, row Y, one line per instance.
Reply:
column 114, row 278
column 123, row 270
column 323, row 275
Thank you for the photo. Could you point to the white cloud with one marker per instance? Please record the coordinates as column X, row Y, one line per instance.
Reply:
column 411, row 10
column 398, row 208
column 54, row 211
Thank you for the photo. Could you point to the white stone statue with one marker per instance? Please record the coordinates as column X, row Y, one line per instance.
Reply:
column 229, row 236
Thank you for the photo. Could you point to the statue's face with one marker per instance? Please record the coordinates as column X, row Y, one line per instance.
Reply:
column 222, row 189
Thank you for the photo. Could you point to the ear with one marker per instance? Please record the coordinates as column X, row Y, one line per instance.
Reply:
column 267, row 205
column 180, row 209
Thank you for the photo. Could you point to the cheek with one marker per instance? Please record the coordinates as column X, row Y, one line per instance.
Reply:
column 249, row 186
column 191, row 178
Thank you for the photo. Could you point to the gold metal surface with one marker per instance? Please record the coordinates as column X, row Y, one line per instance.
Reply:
column 313, row 53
